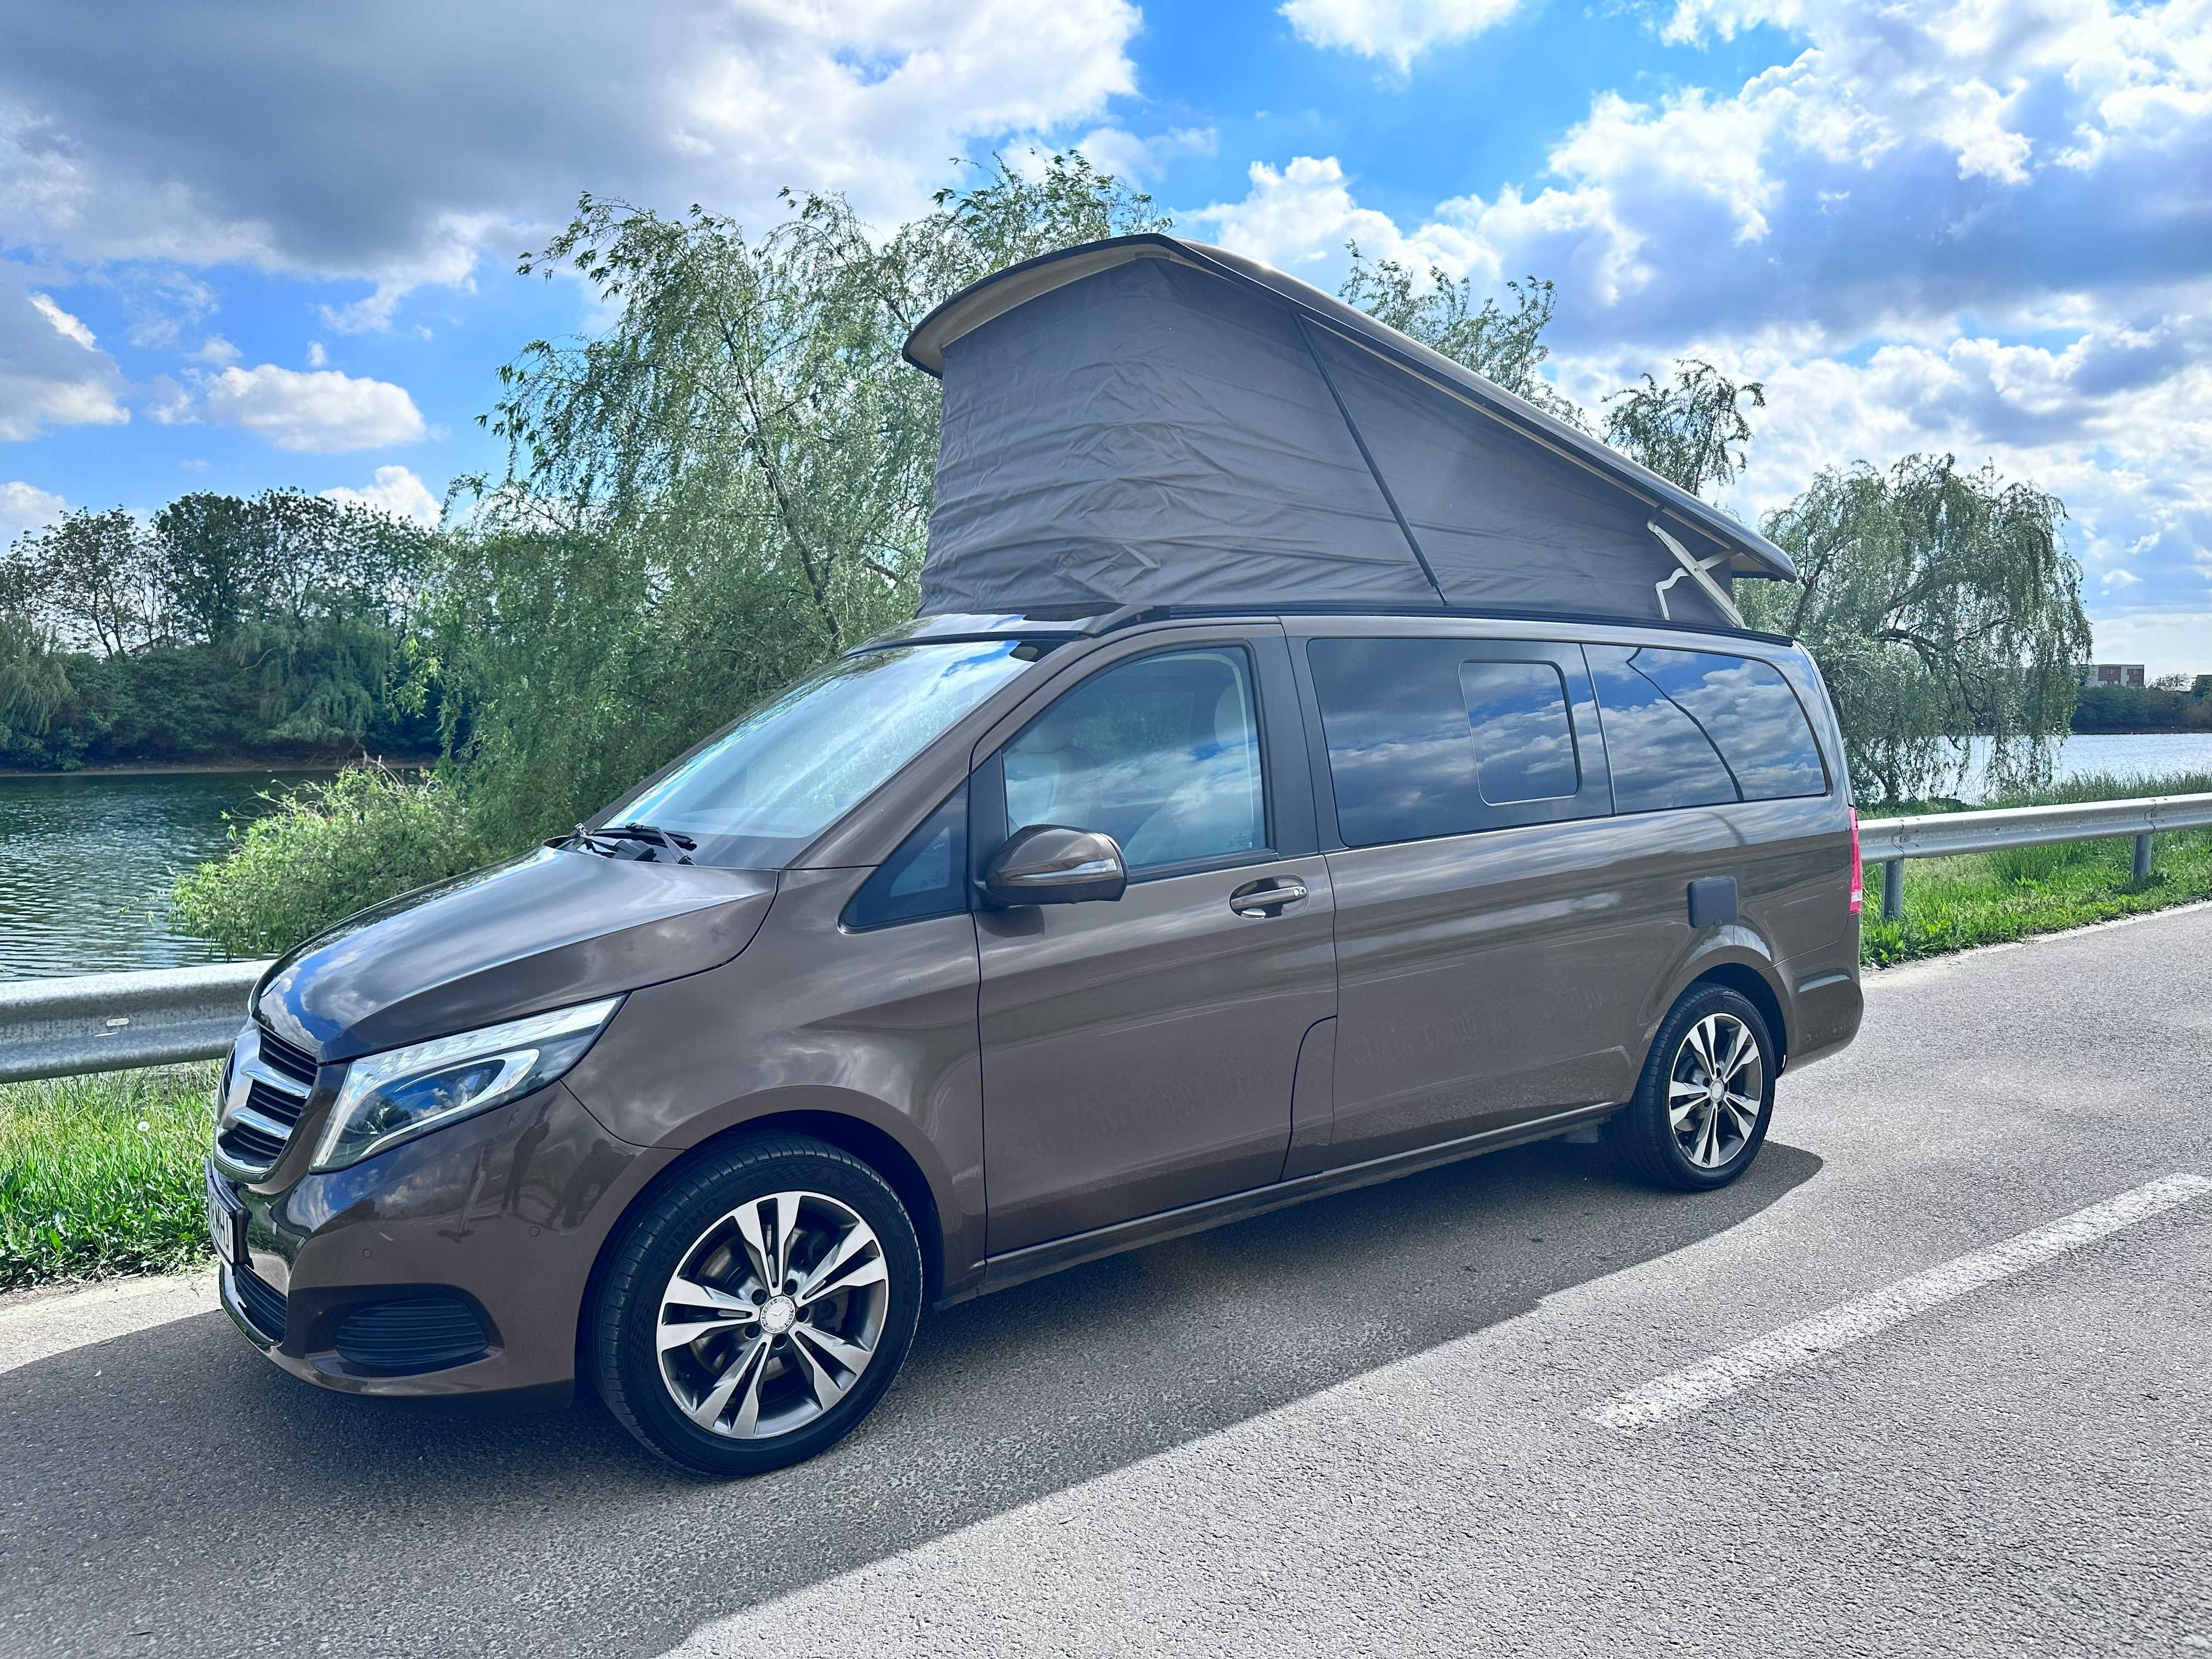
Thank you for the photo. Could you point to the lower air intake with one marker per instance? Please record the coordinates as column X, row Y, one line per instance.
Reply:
column 418, row 1334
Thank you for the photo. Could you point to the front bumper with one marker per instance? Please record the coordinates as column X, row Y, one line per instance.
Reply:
column 457, row 1263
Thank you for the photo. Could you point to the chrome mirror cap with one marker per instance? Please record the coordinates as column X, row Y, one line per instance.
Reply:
column 1052, row 864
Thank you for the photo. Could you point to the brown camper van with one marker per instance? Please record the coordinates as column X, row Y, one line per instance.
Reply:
column 1311, row 764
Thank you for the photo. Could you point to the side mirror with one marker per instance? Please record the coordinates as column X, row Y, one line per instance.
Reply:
column 1051, row 863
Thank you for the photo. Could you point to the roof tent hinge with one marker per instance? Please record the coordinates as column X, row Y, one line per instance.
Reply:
column 1698, row 571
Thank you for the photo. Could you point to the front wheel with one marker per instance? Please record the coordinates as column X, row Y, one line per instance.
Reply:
column 1700, row 1110
column 754, row 1312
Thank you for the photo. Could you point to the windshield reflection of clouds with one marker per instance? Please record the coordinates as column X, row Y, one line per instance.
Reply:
column 791, row 768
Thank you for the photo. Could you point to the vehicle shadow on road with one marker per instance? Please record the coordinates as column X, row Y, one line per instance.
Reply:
column 170, row 1490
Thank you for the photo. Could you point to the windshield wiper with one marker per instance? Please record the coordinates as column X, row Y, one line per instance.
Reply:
column 650, row 834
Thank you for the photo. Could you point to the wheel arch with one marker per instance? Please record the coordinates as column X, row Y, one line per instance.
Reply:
column 1754, row 986
column 873, row 1144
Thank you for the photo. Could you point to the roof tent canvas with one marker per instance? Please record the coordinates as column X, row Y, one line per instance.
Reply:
column 1149, row 421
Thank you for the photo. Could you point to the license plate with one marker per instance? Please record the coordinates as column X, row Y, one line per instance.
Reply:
column 226, row 1225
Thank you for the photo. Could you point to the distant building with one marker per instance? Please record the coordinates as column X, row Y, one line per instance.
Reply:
column 2114, row 673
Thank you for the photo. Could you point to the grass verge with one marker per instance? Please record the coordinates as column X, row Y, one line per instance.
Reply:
column 100, row 1175
column 1991, row 898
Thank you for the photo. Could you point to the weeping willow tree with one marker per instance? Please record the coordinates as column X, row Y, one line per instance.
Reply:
column 1691, row 430
column 1503, row 340
column 728, row 483
column 1942, row 605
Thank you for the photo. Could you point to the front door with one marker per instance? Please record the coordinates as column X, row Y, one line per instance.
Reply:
column 1139, row 1056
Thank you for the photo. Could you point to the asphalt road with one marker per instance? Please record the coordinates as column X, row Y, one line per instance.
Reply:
column 1369, row 1425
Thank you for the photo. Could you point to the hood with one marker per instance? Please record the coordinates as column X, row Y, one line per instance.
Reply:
column 549, row 929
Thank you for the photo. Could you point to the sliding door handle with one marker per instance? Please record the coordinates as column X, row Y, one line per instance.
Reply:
column 1268, row 898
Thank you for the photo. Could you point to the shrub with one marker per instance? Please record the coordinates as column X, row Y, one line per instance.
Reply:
column 325, row 851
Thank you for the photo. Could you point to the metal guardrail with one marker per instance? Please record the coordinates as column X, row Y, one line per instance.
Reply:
column 1889, row 841
column 110, row 1022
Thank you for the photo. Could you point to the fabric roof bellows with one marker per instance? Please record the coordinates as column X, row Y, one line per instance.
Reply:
column 1152, row 420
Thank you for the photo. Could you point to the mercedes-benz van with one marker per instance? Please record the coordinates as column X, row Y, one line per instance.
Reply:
column 1003, row 943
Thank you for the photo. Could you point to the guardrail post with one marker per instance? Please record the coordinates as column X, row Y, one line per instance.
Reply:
column 2143, row 859
column 1892, row 890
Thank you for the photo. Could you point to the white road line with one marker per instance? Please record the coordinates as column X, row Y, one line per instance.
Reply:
column 1681, row 1392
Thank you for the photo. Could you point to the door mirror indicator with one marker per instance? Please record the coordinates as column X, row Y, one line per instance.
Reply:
column 1052, row 864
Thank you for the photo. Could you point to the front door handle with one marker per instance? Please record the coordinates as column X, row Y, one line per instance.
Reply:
column 1268, row 898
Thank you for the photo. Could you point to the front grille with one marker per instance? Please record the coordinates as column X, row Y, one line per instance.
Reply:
column 251, row 1147
column 265, row 1089
column 420, row 1333
column 296, row 1064
column 261, row 1303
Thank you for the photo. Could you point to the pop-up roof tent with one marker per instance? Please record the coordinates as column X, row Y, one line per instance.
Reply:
column 1155, row 421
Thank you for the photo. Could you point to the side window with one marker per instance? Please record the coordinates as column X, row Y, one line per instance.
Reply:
column 927, row 877
column 1524, row 744
column 1426, row 736
column 1752, row 716
column 1695, row 728
column 1162, row 753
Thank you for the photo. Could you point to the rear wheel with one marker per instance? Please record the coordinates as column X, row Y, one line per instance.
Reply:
column 1701, row 1107
column 753, row 1313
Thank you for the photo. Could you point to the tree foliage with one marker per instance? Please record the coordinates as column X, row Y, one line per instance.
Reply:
column 729, row 484
column 1690, row 430
column 1941, row 604
column 1503, row 342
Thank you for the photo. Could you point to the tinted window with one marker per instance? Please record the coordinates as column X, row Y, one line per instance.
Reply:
column 927, row 877
column 1691, row 728
column 1524, row 746
column 1424, row 736
column 1163, row 754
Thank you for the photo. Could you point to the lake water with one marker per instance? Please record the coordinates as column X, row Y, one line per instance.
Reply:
column 2156, row 755
column 85, row 862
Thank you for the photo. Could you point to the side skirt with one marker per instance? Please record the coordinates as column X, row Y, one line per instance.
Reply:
column 1018, row 1267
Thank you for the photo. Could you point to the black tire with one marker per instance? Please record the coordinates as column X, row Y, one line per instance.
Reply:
column 670, row 1229
column 1643, row 1134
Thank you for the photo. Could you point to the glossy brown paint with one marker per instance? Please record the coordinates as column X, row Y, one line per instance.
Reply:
column 877, row 1028
column 1136, row 1069
column 1139, row 1056
column 509, row 1208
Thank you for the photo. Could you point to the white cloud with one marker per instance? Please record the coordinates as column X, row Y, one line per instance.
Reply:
column 64, row 325
column 26, row 506
column 52, row 371
column 1134, row 159
column 1299, row 217
column 321, row 412
column 1398, row 31
column 216, row 350
column 2119, row 579
column 316, row 357
column 437, row 135
column 395, row 490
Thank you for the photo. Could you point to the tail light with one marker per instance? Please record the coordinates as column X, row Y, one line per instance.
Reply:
column 1858, row 869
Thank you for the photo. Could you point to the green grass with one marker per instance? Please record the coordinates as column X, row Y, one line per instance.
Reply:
column 100, row 1175
column 1990, row 898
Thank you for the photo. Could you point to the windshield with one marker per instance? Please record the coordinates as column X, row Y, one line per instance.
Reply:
column 780, row 776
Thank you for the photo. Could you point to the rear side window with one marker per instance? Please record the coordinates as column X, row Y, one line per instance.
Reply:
column 1426, row 736
column 1694, row 728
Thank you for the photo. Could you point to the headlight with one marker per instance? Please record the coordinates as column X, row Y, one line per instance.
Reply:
column 401, row 1093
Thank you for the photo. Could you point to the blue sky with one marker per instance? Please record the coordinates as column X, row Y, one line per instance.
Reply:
column 243, row 247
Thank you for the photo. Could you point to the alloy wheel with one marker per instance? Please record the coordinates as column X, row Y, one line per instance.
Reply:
column 773, row 1314
column 1715, row 1089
